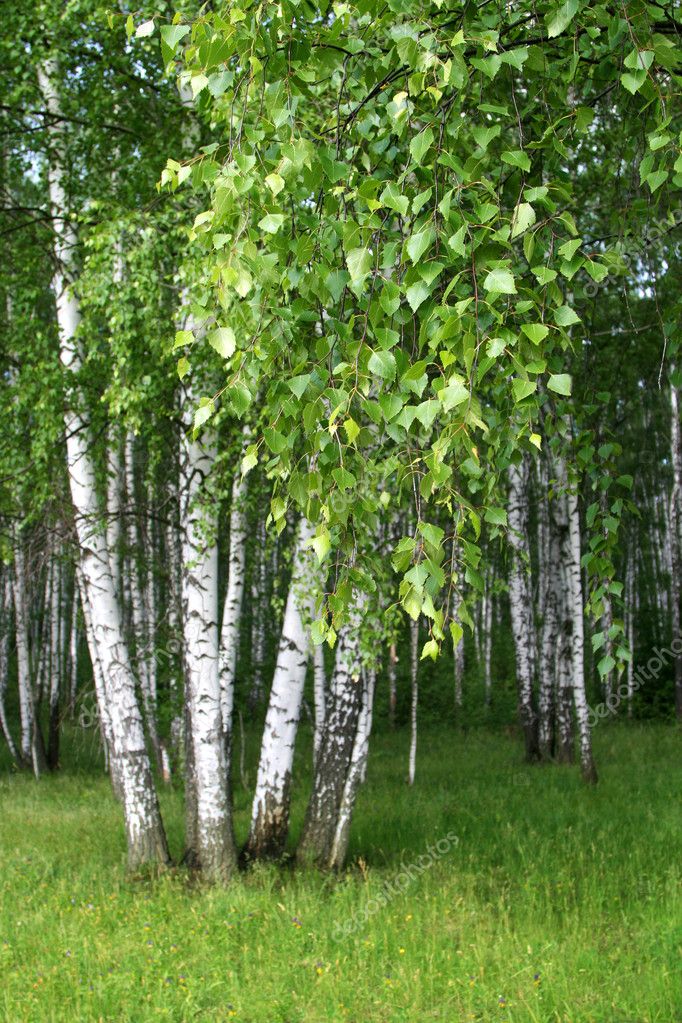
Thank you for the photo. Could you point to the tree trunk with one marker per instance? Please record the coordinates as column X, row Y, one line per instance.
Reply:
column 232, row 608
column 319, row 837
column 414, row 683
column 55, row 663
column 139, row 608
column 570, row 562
column 521, row 604
column 32, row 748
column 270, row 811
column 356, row 773
column 392, row 684
column 675, row 534
column 5, row 614
column 550, row 597
column 145, row 834
column 319, row 697
column 214, row 851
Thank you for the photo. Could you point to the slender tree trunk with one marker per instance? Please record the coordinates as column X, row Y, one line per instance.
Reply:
column 319, row 696
column 550, row 597
column 5, row 614
column 145, row 834
column 258, row 597
column 234, row 596
column 521, row 604
column 487, row 639
column 414, row 681
column 55, row 666
column 356, row 773
column 570, row 560
column 32, row 748
column 73, row 652
column 675, row 534
column 106, row 728
column 319, row 842
column 270, row 811
column 114, row 482
column 139, row 608
column 214, row 852
column 392, row 684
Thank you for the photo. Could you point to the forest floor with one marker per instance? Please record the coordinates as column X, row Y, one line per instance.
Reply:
column 543, row 902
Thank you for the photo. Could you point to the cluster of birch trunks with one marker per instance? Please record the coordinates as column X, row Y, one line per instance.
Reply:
column 128, row 614
column 136, row 593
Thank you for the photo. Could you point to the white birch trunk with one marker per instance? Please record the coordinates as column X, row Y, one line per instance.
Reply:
column 270, row 811
column 319, row 696
column 320, row 841
column 356, row 773
column 214, row 851
column 521, row 604
column 234, row 596
column 5, row 614
column 675, row 538
column 30, row 747
column 114, row 481
column 574, row 597
column 414, row 681
column 145, row 835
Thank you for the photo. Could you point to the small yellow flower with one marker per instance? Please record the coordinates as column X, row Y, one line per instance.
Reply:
column 401, row 951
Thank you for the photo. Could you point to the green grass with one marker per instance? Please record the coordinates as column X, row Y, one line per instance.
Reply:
column 556, row 904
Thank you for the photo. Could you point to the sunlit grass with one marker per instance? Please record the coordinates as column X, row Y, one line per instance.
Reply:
column 555, row 903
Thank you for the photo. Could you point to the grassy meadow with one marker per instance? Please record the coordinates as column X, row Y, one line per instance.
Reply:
column 551, row 902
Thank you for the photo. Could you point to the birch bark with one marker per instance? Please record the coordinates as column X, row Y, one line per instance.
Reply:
column 145, row 834
column 270, row 810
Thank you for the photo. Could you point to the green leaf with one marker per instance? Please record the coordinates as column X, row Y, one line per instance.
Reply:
column 564, row 316
column 171, row 35
column 454, row 393
column 275, row 440
column 560, row 383
column 543, row 274
column 271, row 222
column 523, row 388
column 145, row 29
column 418, row 243
column 298, row 384
column 359, row 263
column 537, row 332
column 203, row 414
column 382, row 364
column 456, row 631
column 501, row 281
column 524, row 217
column 496, row 516
column 638, row 60
column 223, row 340
column 321, row 544
column 275, row 183
column 517, row 158
column 558, row 20
column 456, row 241
column 393, row 199
column 430, row 649
column 183, row 337
column 389, row 299
column 416, row 294
column 633, row 80
column 250, row 459
column 606, row 665
column 420, row 145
